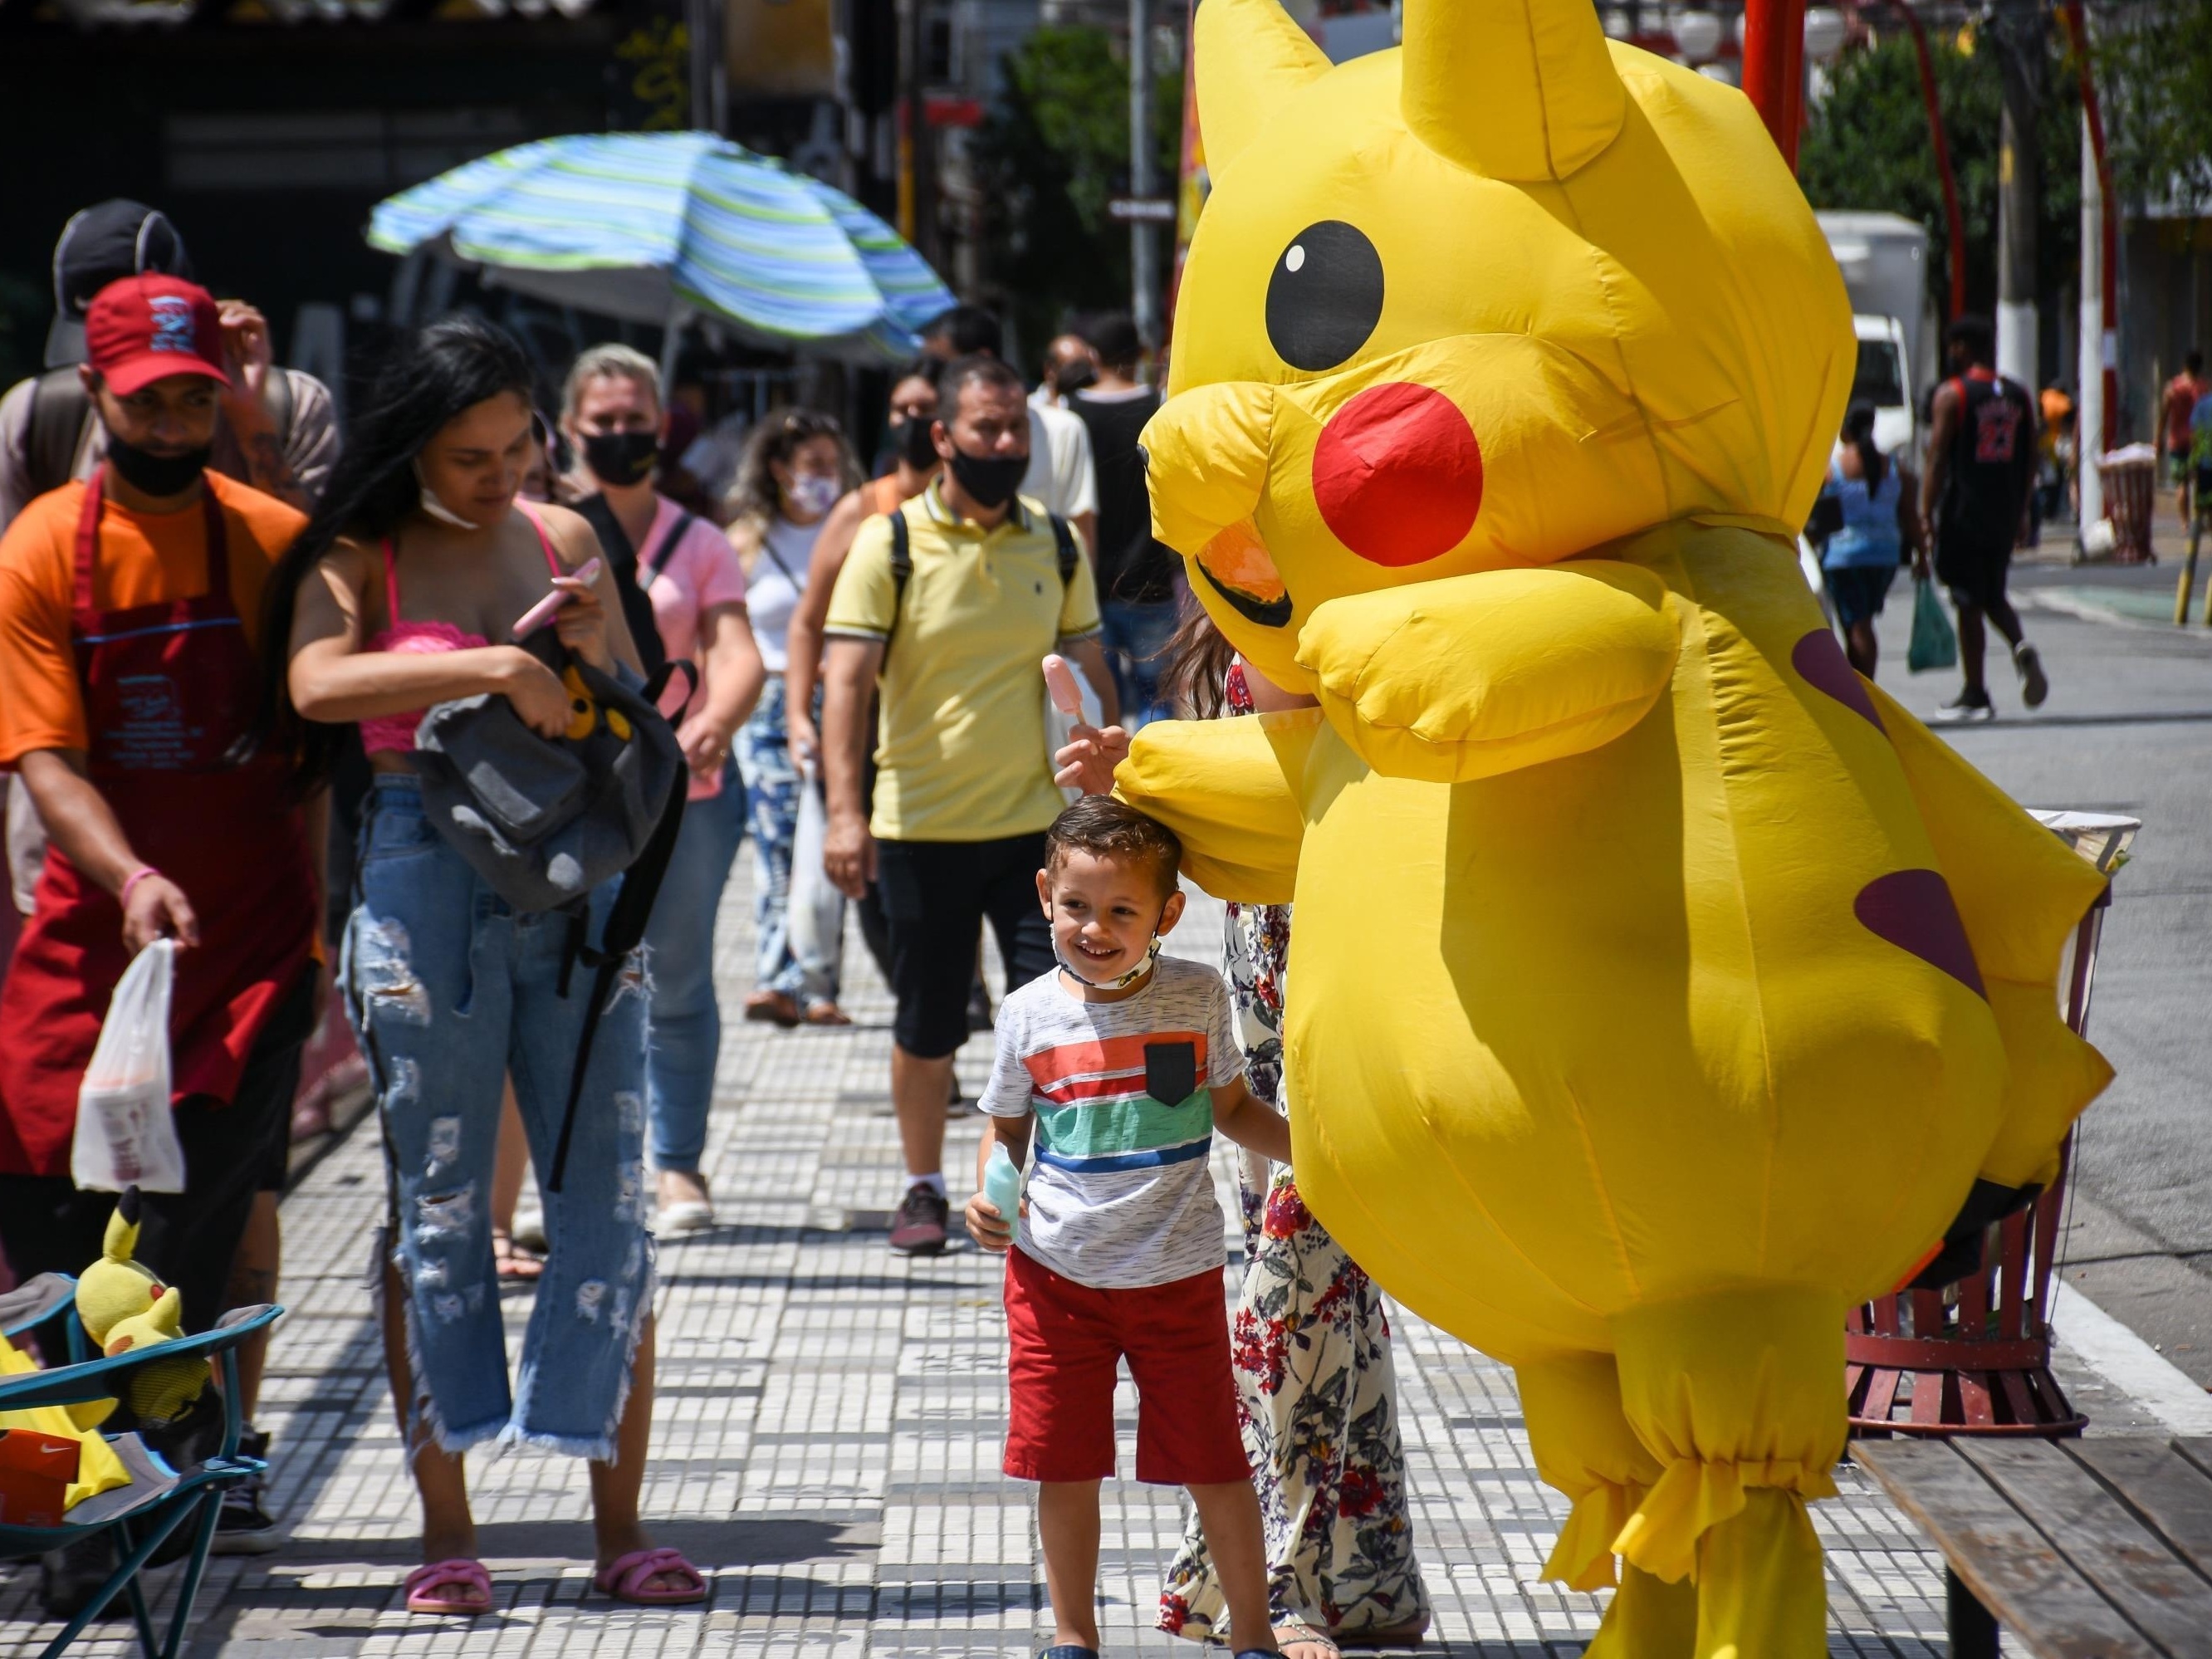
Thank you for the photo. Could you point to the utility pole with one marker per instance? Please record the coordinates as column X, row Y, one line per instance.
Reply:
column 2089, row 410
column 1144, row 235
column 918, row 157
column 2019, row 32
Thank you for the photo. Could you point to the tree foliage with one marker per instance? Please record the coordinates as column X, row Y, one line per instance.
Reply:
column 2154, row 66
column 1051, row 152
column 1869, row 147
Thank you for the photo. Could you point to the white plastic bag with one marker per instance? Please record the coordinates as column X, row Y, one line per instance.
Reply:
column 815, row 919
column 125, row 1136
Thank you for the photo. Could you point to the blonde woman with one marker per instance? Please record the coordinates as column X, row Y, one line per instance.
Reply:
column 797, row 466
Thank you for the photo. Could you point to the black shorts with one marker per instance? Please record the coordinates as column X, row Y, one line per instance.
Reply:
column 189, row 1238
column 936, row 895
column 1857, row 590
column 1973, row 570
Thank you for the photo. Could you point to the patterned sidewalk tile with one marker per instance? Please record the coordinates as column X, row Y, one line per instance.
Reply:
column 826, row 1433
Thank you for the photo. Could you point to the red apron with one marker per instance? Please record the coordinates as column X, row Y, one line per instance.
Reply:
column 170, row 690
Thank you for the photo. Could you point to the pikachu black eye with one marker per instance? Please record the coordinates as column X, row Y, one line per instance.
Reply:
column 1325, row 297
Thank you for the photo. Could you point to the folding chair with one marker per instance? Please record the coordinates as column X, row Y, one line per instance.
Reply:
column 140, row 1517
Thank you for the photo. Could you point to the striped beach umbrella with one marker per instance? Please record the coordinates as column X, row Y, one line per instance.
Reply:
column 653, row 227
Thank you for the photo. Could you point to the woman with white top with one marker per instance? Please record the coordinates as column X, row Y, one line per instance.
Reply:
column 613, row 415
column 797, row 464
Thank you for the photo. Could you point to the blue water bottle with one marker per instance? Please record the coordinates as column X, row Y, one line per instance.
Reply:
column 1002, row 1186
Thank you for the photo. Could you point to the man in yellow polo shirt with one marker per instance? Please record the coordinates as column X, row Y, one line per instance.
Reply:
column 950, row 631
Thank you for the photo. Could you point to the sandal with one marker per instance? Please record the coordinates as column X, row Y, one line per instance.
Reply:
column 774, row 1008
column 627, row 1577
column 511, row 1261
column 827, row 1013
column 1297, row 1632
column 1406, row 1634
column 429, row 1588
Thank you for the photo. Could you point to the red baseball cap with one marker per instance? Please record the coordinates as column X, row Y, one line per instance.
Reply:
column 142, row 329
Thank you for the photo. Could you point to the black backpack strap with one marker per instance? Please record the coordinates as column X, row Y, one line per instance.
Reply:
column 60, row 409
column 624, row 931
column 1063, row 541
column 676, row 531
column 902, row 571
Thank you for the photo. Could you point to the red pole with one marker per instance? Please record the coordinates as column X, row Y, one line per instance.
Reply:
column 1774, row 69
column 1953, row 219
column 2109, row 253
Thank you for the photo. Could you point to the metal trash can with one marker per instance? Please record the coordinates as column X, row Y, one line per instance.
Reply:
column 1974, row 1357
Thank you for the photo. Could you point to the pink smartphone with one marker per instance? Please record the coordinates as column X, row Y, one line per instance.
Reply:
column 543, row 611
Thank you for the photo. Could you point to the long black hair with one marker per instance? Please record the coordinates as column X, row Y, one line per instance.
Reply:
column 447, row 368
column 1858, row 432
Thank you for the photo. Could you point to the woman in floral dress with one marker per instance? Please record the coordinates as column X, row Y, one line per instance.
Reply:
column 1310, row 1342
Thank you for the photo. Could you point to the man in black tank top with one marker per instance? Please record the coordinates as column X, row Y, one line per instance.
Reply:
column 1975, row 493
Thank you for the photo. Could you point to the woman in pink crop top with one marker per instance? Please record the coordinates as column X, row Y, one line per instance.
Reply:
column 402, row 592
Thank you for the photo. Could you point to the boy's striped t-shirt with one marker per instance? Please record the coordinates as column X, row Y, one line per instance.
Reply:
column 1119, row 1193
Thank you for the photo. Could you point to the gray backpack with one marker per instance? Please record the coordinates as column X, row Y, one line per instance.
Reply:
column 545, row 820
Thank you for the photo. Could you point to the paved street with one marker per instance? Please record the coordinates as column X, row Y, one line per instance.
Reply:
column 827, row 1424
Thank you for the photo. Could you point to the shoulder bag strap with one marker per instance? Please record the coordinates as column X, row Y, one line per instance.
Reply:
column 902, row 572
column 669, row 543
column 1063, row 540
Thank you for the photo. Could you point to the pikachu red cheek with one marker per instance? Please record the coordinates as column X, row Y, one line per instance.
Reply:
column 1397, row 475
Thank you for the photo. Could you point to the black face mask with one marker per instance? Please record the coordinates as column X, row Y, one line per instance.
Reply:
column 156, row 475
column 913, row 440
column 1074, row 378
column 991, row 480
column 621, row 458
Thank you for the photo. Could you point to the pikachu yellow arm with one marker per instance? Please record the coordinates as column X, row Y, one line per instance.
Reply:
column 1449, row 681
column 1206, row 453
column 1233, row 792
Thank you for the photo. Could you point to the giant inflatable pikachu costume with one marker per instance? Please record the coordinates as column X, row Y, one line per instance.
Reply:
column 1661, row 988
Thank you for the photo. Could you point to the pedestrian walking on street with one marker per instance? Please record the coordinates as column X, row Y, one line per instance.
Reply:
column 913, row 415
column 1881, row 527
column 149, row 573
column 1071, row 363
column 1976, row 498
column 419, row 560
column 797, row 467
column 1317, row 1395
column 2180, row 398
column 695, row 588
column 1062, row 474
column 945, row 609
column 1121, row 1063
column 1139, row 579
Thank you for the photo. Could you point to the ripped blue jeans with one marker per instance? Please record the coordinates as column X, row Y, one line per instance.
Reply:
column 448, row 989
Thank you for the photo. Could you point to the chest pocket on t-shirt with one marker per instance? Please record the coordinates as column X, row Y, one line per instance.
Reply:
column 1171, row 1071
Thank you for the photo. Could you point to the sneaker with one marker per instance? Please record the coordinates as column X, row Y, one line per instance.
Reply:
column 918, row 1229
column 244, row 1526
column 1968, row 707
column 978, row 1007
column 2034, row 686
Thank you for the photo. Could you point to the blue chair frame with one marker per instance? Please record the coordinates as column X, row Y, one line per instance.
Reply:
column 195, row 1498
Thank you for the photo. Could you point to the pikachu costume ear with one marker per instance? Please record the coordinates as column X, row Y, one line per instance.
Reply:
column 1249, row 56
column 120, row 1241
column 1516, row 89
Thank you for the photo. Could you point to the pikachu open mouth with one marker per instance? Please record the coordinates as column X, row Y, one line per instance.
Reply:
column 1235, row 565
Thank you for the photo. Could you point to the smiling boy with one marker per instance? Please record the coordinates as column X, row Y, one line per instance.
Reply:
column 1124, row 1062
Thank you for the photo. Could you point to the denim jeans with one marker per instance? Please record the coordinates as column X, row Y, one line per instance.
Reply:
column 1136, row 639
column 772, row 786
column 687, row 1024
column 448, row 990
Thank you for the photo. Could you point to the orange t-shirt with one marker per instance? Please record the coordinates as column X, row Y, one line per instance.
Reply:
column 144, row 558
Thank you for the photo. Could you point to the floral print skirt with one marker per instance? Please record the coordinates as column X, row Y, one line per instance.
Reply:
column 1310, row 1347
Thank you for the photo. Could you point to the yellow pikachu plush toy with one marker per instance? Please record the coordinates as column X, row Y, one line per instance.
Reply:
column 1660, row 988
column 123, row 1305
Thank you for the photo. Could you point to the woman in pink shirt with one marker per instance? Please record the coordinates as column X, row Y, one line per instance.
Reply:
column 613, row 414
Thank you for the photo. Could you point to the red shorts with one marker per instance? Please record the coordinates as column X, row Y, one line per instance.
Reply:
column 1065, row 1338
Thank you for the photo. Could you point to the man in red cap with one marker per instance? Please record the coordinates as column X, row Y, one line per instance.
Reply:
column 129, row 681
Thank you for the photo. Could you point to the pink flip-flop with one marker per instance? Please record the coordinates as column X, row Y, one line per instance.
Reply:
column 626, row 1579
column 425, row 1584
